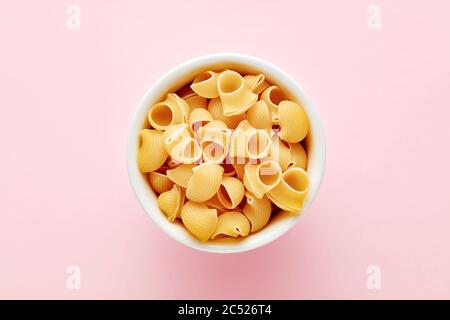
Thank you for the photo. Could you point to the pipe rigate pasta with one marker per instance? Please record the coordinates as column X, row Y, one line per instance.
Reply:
column 293, row 121
column 233, row 224
column 257, row 211
column 291, row 191
column 160, row 182
column 205, row 84
column 222, row 159
column 231, row 192
column 204, row 182
column 152, row 153
column 200, row 220
column 235, row 96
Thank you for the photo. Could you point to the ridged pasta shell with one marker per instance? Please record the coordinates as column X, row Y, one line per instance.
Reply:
column 235, row 96
column 151, row 154
column 257, row 211
column 273, row 96
column 258, row 144
column 261, row 178
column 291, row 192
column 294, row 123
column 299, row 158
column 198, row 118
column 171, row 202
column 205, row 84
column 215, row 138
column 200, row 220
column 181, row 174
column 216, row 110
column 187, row 151
column 233, row 224
column 256, row 83
column 159, row 182
column 182, row 105
column 259, row 116
column 231, row 192
column 239, row 140
column 205, row 182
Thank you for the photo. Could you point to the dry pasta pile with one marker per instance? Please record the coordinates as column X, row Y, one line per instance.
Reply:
column 224, row 153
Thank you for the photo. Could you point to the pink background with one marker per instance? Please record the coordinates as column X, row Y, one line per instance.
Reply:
column 67, row 99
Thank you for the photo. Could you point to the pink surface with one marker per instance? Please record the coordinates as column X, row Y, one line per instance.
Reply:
column 68, row 97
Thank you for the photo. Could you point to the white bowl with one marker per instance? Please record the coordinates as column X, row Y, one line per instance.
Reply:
column 180, row 76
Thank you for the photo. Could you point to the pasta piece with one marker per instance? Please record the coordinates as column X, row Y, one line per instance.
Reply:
column 181, row 174
column 299, row 157
column 215, row 138
column 290, row 193
column 256, row 83
column 231, row 192
column 198, row 118
column 257, row 211
column 187, row 151
column 236, row 98
column 259, row 144
column 261, row 178
column 205, row 182
column 205, row 84
column 216, row 110
column 200, row 220
column 173, row 110
column 294, row 124
column 159, row 182
column 280, row 152
column 239, row 139
column 151, row 154
column 232, row 224
column 171, row 202
column 259, row 116
column 174, row 135
column 273, row 96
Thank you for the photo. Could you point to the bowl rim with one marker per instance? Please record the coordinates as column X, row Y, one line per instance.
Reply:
column 199, row 62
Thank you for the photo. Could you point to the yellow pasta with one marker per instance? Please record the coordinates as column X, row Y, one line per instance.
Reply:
column 280, row 152
column 174, row 135
column 216, row 110
column 259, row 116
column 187, row 151
column 198, row 118
column 298, row 156
column 261, row 178
column 236, row 98
column 232, row 224
column 231, row 157
column 159, row 182
column 215, row 138
column 205, row 84
column 257, row 211
column 256, row 83
column 173, row 110
column 273, row 96
column 204, row 182
column 200, row 220
column 231, row 192
column 151, row 154
column 171, row 202
column 181, row 174
column 290, row 193
column 293, row 121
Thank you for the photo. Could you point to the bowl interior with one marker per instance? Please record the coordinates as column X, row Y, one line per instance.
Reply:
column 182, row 75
